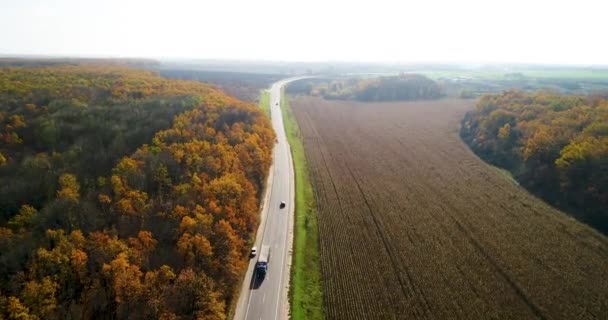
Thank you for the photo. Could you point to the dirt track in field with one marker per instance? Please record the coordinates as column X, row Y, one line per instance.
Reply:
column 414, row 225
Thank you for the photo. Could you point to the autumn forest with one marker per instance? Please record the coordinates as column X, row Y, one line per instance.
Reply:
column 402, row 87
column 555, row 145
column 127, row 195
column 123, row 194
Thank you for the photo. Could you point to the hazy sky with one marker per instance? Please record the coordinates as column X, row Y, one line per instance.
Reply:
column 545, row 31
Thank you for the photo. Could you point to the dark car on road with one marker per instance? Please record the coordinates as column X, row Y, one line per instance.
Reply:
column 282, row 205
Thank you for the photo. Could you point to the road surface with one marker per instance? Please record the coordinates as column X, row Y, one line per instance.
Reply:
column 267, row 299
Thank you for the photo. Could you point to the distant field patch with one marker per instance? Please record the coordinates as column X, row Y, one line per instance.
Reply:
column 265, row 102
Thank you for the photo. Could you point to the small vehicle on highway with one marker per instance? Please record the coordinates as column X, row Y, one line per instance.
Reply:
column 276, row 104
column 282, row 205
column 254, row 252
column 261, row 267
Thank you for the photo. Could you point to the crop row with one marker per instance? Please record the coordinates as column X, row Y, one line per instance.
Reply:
column 413, row 225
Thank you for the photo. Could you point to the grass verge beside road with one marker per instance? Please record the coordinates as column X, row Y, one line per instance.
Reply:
column 305, row 292
column 265, row 102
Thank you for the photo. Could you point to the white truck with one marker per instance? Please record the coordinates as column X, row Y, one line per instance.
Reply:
column 261, row 267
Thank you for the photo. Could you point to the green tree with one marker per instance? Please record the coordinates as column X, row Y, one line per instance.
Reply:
column 24, row 220
column 17, row 311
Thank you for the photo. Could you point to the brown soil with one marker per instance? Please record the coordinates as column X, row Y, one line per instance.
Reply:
column 414, row 225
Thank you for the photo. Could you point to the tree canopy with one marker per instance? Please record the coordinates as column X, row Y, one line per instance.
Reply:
column 403, row 87
column 123, row 194
column 556, row 145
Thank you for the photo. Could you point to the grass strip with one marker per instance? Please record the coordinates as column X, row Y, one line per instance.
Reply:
column 305, row 294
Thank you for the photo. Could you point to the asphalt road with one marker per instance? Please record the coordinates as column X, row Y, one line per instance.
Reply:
column 267, row 299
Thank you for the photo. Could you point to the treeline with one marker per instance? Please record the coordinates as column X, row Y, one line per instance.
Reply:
column 123, row 194
column 394, row 88
column 243, row 85
column 48, row 62
column 555, row 145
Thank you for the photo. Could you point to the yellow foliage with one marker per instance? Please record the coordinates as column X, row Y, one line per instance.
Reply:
column 78, row 259
column 17, row 311
column 208, row 166
column 117, row 185
column 179, row 211
column 187, row 224
column 127, row 165
column 40, row 296
column 70, row 187
column 23, row 219
column 104, row 199
column 505, row 132
column 125, row 278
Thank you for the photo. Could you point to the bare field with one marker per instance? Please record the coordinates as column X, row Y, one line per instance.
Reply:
column 413, row 225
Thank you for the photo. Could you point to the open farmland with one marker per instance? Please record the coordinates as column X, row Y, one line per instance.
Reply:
column 413, row 225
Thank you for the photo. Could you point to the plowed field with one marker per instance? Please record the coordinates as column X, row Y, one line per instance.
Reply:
column 414, row 225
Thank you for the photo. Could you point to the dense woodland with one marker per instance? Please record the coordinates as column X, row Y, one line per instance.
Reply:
column 123, row 194
column 555, row 145
column 403, row 87
column 48, row 62
column 243, row 85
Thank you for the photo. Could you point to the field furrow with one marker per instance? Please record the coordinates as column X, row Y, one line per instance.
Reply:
column 414, row 226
